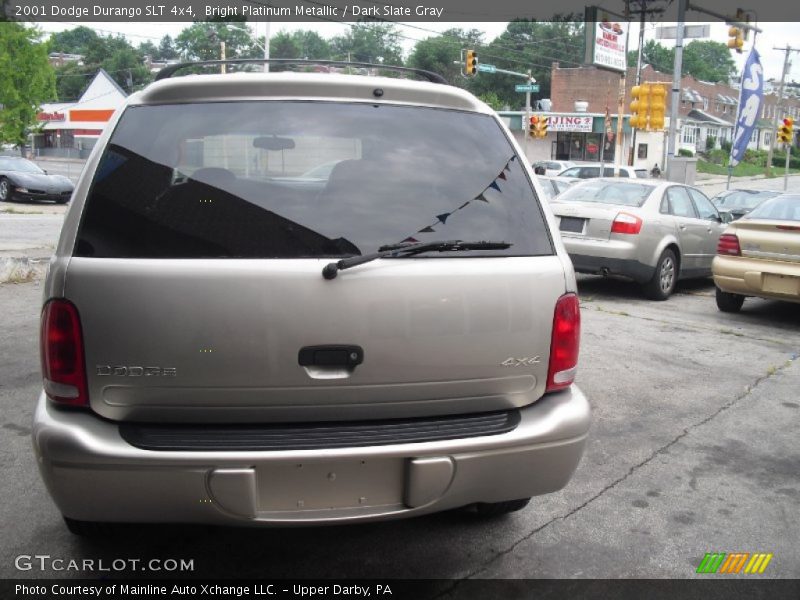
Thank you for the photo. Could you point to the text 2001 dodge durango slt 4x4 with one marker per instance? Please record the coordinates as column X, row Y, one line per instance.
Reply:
column 293, row 298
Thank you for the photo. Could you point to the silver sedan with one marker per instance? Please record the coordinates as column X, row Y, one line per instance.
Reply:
column 651, row 231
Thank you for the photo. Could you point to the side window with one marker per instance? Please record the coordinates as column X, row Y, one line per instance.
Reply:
column 573, row 172
column 623, row 173
column 680, row 204
column 703, row 205
column 587, row 172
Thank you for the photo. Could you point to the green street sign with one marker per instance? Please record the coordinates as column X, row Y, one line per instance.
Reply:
column 529, row 87
column 486, row 68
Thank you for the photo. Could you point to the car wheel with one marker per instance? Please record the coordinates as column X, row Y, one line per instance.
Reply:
column 728, row 302
column 496, row 509
column 88, row 528
column 661, row 286
column 5, row 189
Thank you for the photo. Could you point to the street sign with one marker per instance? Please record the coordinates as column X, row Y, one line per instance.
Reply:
column 530, row 87
column 486, row 68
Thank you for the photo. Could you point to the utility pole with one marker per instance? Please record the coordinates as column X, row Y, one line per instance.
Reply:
column 642, row 14
column 786, row 66
column 675, row 99
column 222, row 56
column 266, row 46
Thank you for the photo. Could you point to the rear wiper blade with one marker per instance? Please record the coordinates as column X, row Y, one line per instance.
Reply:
column 407, row 249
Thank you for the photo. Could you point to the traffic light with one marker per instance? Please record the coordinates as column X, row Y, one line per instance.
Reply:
column 658, row 97
column 533, row 126
column 735, row 39
column 786, row 131
column 640, row 105
column 541, row 127
column 471, row 63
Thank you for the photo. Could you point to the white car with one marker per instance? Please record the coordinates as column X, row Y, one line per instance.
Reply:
column 551, row 167
column 591, row 170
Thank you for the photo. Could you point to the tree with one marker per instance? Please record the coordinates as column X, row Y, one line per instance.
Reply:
column 311, row 45
column 531, row 45
column 369, row 42
column 654, row 54
column 26, row 80
column 438, row 53
column 703, row 60
column 166, row 49
column 282, row 45
column 708, row 61
column 73, row 41
column 201, row 41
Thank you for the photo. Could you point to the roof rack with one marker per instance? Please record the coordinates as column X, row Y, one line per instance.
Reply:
column 170, row 70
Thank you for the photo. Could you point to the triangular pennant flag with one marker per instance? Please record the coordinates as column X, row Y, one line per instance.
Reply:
column 495, row 186
column 507, row 167
column 502, row 175
column 513, row 158
column 443, row 217
column 410, row 239
column 482, row 198
column 463, row 205
column 428, row 229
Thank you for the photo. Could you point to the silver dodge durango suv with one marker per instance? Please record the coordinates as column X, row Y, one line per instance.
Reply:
column 291, row 298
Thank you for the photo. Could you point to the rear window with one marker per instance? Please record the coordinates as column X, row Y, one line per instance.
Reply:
column 608, row 192
column 305, row 179
column 781, row 208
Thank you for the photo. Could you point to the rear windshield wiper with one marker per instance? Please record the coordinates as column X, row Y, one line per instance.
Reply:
column 408, row 249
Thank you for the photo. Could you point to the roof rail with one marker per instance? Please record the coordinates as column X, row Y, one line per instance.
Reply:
column 170, row 70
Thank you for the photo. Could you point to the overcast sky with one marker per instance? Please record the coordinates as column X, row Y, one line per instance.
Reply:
column 774, row 35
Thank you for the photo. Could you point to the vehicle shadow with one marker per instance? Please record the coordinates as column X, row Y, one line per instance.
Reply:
column 597, row 286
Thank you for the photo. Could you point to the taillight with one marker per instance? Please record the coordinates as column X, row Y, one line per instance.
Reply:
column 61, row 343
column 729, row 244
column 564, row 343
column 626, row 223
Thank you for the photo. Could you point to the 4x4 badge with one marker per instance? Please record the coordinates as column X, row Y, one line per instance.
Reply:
column 521, row 362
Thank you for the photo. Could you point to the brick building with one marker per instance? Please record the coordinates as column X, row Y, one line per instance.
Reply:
column 707, row 110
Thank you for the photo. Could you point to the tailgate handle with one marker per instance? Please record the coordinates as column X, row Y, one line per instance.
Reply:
column 331, row 356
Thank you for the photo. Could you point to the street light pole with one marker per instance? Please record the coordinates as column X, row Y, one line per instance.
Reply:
column 676, row 87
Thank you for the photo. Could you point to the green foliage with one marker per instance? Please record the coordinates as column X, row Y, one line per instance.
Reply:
column 530, row 44
column 299, row 44
column 685, row 152
column 779, row 160
column 654, row 54
column 123, row 62
column 704, row 60
column 438, row 53
column 711, row 142
column 492, row 100
column 755, row 157
column 719, row 157
column 202, row 41
column 726, row 146
column 166, row 49
column 369, row 42
column 26, row 80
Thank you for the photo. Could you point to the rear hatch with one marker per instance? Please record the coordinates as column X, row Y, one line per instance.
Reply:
column 197, row 270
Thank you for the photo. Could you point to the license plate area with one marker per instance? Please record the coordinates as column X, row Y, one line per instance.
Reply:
column 571, row 224
column 781, row 284
column 340, row 484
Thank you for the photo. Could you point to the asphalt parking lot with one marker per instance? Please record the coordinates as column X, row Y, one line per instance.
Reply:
column 693, row 449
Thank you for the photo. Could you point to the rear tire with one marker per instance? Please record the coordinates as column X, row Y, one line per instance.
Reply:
column 489, row 510
column 728, row 302
column 661, row 286
column 5, row 190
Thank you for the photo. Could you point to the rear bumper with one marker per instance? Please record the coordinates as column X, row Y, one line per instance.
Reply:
column 597, row 265
column 756, row 277
column 94, row 475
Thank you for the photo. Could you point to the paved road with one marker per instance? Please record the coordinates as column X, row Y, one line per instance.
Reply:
column 693, row 449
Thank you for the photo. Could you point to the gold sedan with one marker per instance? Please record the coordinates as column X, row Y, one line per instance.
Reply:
column 759, row 255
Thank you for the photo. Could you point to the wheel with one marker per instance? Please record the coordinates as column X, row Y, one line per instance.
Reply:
column 88, row 528
column 5, row 189
column 661, row 286
column 728, row 302
column 496, row 509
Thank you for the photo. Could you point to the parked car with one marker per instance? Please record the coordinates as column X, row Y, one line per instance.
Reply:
column 551, row 167
column 589, row 171
column 219, row 349
column 23, row 181
column 650, row 231
column 553, row 186
column 733, row 204
column 759, row 255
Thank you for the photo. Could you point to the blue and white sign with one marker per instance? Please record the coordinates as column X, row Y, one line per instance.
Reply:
column 751, row 97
